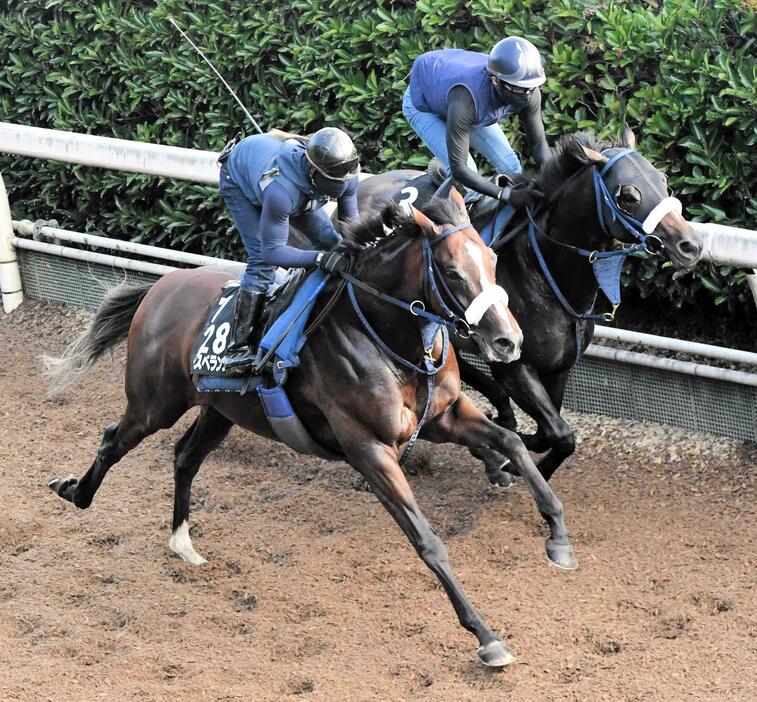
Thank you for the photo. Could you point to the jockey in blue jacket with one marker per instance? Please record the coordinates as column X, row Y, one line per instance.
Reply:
column 455, row 100
column 268, row 181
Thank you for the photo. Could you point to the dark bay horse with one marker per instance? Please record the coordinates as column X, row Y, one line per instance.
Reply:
column 573, row 218
column 354, row 396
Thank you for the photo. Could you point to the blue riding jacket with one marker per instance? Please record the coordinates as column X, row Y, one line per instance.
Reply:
column 435, row 73
column 275, row 176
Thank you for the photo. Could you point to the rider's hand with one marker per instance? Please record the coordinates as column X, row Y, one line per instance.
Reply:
column 521, row 197
column 332, row 262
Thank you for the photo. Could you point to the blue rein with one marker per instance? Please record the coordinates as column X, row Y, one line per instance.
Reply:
column 430, row 325
column 607, row 264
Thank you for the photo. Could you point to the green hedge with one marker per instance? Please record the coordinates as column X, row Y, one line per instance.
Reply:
column 682, row 73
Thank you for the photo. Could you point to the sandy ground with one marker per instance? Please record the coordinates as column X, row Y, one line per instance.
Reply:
column 312, row 592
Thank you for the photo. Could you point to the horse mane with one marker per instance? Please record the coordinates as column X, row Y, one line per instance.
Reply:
column 563, row 163
column 372, row 229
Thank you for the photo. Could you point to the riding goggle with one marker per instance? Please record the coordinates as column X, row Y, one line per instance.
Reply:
column 339, row 172
column 515, row 89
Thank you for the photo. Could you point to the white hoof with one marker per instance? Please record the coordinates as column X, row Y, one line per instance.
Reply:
column 181, row 545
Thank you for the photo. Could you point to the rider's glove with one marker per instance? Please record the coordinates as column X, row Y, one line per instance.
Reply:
column 521, row 197
column 332, row 262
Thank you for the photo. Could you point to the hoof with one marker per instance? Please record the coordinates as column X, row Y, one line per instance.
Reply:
column 181, row 545
column 495, row 654
column 503, row 477
column 561, row 555
column 64, row 487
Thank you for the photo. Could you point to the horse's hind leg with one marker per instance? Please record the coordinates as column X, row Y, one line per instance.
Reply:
column 118, row 439
column 205, row 434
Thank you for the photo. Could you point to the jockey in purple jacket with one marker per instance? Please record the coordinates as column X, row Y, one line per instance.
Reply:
column 456, row 98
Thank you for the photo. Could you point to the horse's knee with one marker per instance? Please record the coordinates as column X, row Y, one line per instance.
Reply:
column 564, row 441
column 560, row 438
column 432, row 550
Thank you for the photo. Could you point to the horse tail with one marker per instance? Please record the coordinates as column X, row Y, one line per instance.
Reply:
column 110, row 325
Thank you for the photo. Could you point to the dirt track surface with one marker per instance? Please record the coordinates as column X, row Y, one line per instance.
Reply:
column 313, row 593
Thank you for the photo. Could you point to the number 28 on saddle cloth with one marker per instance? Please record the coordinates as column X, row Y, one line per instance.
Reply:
column 288, row 314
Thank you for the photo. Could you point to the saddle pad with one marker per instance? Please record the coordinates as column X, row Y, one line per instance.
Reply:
column 495, row 227
column 285, row 335
column 210, row 346
column 416, row 192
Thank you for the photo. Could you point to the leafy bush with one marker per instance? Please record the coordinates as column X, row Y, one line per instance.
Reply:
column 681, row 72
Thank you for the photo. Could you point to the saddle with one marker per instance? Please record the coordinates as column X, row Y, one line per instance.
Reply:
column 284, row 321
column 496, row 214
column 210, row 346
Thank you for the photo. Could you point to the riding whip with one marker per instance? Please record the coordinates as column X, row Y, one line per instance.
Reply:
column 220, row 77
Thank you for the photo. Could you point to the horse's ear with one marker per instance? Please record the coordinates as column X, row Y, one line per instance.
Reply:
column 428, row 228
column 585, row 155
column 627, row 137
column 457, row 198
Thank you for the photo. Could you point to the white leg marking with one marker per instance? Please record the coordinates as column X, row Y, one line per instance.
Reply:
column 181, row 545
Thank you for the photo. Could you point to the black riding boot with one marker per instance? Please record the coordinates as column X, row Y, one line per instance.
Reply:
column 247, row 315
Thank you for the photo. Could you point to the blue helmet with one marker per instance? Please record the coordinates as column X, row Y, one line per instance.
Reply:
column 516, row 61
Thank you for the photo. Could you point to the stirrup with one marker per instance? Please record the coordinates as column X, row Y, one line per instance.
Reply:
column 239, row 361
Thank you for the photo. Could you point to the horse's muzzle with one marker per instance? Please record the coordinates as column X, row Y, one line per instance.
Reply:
column 503, row 349
column 683, row 246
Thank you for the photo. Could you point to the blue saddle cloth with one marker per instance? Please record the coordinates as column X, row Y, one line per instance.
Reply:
column 285, row 337
column 495, row 228
column 285, row 334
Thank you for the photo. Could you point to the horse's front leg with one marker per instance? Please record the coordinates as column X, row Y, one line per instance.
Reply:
column 463, row 423
column 541, row 399
column 490, row 389
column 377, row 463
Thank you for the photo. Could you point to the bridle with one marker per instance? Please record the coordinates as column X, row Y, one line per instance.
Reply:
column 454, row 318
column 607, row 264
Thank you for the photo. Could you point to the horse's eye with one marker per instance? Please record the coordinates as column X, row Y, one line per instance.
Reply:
column 629, row 197
column 452, row 275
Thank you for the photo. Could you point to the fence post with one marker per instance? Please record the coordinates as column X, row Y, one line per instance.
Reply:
column 10, row 276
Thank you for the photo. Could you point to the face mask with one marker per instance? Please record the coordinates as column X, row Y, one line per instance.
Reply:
column 326, row 186
column 517, row 102
column 511, row 99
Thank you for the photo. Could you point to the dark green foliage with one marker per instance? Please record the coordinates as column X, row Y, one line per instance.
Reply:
column 681, row 72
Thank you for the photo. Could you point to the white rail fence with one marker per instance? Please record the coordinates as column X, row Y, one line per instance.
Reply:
column 726, row 245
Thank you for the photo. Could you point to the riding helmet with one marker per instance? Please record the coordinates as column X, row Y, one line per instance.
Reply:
column 516, row 61
column 331, row 152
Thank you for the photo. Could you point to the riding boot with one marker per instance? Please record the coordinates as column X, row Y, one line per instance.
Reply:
column 247, row 316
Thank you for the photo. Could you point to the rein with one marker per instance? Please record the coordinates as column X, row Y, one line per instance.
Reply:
column 429, row 328
column 607, row 265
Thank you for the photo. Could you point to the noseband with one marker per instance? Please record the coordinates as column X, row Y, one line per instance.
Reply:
column 607, row 265
column 641, row 231
column 462, row 317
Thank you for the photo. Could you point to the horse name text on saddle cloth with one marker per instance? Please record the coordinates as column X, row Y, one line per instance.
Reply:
column 215, row 335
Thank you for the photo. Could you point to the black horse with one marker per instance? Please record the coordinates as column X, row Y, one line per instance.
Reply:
column 597, row 194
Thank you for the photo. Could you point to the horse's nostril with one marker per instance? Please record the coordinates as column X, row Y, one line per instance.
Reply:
column 504, row 345
column 688, row 248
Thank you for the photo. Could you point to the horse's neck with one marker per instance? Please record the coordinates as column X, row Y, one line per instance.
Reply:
column 573, row 221
column 397, row 270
